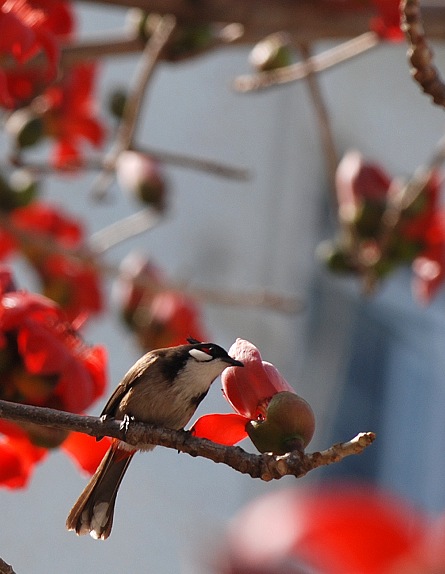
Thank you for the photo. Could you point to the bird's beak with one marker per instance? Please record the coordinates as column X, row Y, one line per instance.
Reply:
column 233, row 362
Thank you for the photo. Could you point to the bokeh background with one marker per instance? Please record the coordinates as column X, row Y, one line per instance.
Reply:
column 363, row 363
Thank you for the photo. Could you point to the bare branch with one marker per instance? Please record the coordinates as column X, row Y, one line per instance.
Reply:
column 5, row 568
column 127, row 126
column 306, row 20
column 263, row 466
column 311, row 65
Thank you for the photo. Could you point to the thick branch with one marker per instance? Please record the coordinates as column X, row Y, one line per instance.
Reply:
column 264, row 466
column 5, row 568
column 306, row 20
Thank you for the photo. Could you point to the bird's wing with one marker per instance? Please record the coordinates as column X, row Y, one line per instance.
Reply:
column 132, row 377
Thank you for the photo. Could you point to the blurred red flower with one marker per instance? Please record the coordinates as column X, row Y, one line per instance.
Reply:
column 43, row 362
column 69, row 116
column 333, row 529
column 366, row 195
column 73, row 282
column 29, row 28
column 159, row 316
column 387, row 22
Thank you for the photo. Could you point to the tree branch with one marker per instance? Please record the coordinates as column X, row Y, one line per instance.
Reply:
column 306, row 20
column 263, row 466
column 421, row 56
column 5, row 568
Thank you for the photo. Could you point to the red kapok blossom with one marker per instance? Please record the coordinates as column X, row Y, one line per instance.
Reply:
column 43, row 362
column 248, row 391
column 18, row 456
column 69, row 117
column 73, row 282
column 29, row 28
column 368, row 246
column 387, row 23
column 159, row 316
column 342, row 529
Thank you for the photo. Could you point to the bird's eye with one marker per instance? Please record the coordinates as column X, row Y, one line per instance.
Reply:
column 201, row 355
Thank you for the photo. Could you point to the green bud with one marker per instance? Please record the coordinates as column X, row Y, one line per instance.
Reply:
column 273, row 52
column 116, row 102
column 25, row 126
column 289, row 425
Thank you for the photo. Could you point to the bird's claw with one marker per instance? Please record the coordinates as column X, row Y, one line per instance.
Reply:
column 125, row 424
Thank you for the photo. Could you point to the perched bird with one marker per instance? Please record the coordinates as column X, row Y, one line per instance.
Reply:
column 164, row 387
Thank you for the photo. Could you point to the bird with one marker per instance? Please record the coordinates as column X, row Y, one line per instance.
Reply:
column 164, row 387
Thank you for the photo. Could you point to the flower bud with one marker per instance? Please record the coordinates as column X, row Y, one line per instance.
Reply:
column 271, row 53
column 25, row 127
column 116, row 102
column 142, row 177
column 289, row 425
column 24, row 187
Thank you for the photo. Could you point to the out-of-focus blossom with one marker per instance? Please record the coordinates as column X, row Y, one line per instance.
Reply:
column 43, row 362
column 367, row 242
column 158, row 315
column 332, row 529
column 142, row 177
column 271, row 53
column 69, row 116
column 29, row 28
column 266, row 407
column 18, row 456
column 71, row 281
column 387, row 22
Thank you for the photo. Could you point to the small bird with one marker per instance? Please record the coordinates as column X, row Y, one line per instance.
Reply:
column 164, row 387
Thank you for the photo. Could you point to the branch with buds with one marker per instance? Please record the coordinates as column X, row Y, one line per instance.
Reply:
column 265, row 466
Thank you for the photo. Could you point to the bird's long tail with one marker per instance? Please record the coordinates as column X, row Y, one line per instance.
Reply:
column 93, row 511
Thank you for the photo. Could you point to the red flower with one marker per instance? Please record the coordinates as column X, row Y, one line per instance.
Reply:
column 250, row 392
column 27, row 28
column 343, row 529
column 18, row 456
column 160, row 316
column 387, row 23
column 72, row 282
column 43, row 362
column 69, row 116
column 366, row 195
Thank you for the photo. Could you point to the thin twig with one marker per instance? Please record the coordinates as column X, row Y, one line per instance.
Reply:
column 93, row 163
column 127, row 126
column 197, row 163
column 263, row 466
column 107, row 238
column 312, row 65
column 324, row 123
column 123, row 229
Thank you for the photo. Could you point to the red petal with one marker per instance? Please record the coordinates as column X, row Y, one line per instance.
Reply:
column 343, row 529
column 225, row 429
column 85, row 450
column 18, row 457
column 245, row 388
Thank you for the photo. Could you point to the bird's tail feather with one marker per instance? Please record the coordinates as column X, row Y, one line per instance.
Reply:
column 93, row 511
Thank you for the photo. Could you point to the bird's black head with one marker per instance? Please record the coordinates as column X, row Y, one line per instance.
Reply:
column 204, row 352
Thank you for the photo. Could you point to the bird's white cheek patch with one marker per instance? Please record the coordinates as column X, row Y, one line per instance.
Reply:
column 200, row 355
